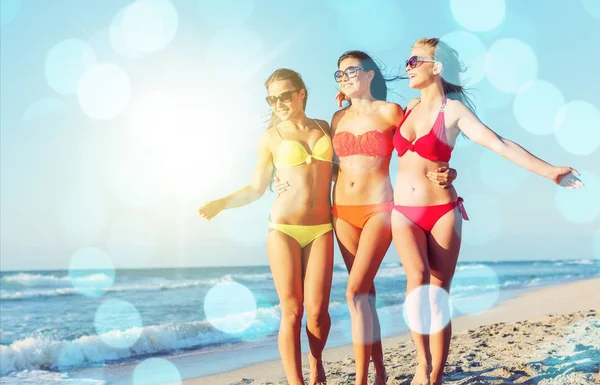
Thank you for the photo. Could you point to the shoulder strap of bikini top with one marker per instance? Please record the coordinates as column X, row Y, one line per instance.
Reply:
column 406, row 113
column 440, row 124
column 416, row 104
column 317, row 123
column 278, row 133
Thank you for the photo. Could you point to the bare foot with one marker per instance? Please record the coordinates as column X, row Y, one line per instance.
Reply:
column 434, row 380
column 317, row 372
column 421, row 376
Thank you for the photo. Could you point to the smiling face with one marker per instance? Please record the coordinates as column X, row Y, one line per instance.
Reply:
column 424, row 73
column 354, row 80
column 286, row 100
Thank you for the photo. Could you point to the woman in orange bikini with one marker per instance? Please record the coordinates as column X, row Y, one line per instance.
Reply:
column 300, row 240
column 427, row 221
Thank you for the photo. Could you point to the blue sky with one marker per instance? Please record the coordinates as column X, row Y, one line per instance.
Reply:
column 114, row 130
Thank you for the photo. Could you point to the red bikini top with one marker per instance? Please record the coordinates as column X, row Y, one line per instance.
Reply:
column 430, row 146
column 370, row 143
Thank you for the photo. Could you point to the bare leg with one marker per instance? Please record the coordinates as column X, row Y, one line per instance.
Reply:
column 348, row 238
column 317, row 260
column 376, row 347
column 411, row 245
column 444, row 247
column 372, row 247
column 285, row 260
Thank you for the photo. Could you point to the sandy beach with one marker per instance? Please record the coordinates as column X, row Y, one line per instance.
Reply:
column 550, row 336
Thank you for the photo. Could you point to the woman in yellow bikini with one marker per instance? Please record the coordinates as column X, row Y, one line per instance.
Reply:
column 300, row 240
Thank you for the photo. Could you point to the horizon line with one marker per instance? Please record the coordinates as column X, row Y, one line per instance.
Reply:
column 244, row 266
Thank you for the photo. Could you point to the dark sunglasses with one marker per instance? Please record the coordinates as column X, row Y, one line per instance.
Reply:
column 414, row 61
column 285, row 97
column 350, row 72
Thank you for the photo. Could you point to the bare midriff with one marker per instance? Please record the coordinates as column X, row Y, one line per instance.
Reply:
column 363, row 180
column 307, row 199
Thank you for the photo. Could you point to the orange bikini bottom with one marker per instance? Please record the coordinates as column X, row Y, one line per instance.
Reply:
column 358, row 215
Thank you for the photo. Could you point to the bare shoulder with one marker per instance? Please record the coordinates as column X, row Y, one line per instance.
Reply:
column 337, row 116
column 323, row 124
column 457, row 109
column 453, row 104
column 391, row 109
column 269, row 136
column 339, row 113
column 392, row 113
column 412, row 103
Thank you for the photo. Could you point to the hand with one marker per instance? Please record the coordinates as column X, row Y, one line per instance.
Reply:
column 566, row 177
column 442, row 176
column 340, row 97
column 210, row 209
column 279, row 186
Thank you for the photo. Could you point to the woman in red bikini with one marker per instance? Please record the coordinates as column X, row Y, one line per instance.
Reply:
column 363, row 197
column 427, row 221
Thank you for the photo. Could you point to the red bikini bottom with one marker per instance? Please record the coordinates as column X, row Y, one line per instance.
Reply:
column 427, row 216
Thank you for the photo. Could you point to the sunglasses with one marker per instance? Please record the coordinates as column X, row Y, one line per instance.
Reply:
column 350, row 72
column 285, row 97
column 414, row 61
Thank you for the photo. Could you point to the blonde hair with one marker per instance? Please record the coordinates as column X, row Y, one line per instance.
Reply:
column 452, row 68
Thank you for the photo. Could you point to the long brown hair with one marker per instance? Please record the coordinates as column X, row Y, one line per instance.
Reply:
column 451, row 70
column 296, row 80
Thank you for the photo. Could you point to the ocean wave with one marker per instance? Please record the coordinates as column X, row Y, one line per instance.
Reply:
column 44, row 353
column 69, row 290
column 6, row 295
column 533, row 282
column 252, row 277
column 470, row 266
column 42, row 280
column 391, row 272
column 474, row 288
column 42, row 377
column 582, row 262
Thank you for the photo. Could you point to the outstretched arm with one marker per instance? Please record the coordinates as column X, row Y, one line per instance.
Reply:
column 249, row 193
column 478, row 132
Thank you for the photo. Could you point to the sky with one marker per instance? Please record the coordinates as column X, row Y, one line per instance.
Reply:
column 120, row 118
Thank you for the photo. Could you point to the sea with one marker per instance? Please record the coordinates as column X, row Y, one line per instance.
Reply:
column 163, row 325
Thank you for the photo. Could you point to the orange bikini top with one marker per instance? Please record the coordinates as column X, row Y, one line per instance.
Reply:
column 370, row 143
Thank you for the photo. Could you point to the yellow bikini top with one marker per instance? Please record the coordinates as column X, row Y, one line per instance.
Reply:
column 291, row 153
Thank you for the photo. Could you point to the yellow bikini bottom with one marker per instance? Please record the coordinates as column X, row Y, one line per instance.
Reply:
column 303, row 234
